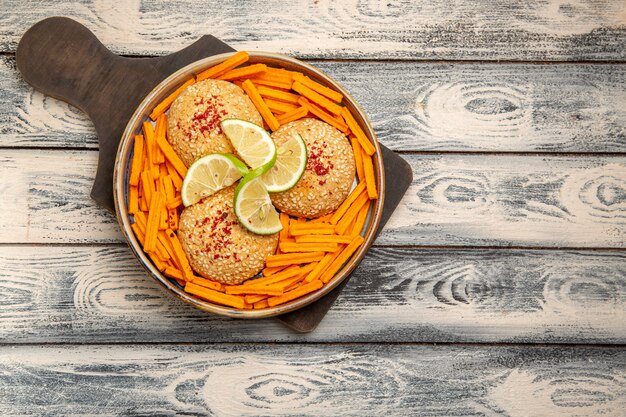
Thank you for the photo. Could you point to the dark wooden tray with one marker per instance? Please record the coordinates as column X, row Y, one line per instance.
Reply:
column 63, row 59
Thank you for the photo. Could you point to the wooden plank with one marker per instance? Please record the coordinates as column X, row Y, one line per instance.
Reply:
column 313, row 380
column 484, row 107
column 477, row 200
column 505, row 200
column 47, row 195
column 408, row 30
column 490, row 107
column 30, row 119
column 101, row 294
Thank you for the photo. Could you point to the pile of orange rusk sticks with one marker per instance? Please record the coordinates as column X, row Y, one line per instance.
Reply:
column 309, row 253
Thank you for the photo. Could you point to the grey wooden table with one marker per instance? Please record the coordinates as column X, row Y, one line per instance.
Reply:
column 498, row 287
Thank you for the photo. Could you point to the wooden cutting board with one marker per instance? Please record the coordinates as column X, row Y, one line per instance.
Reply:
column 63, row 59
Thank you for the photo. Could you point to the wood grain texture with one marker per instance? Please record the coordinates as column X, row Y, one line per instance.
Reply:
column 532, row 30
column 512, row 200
column 500, row 200
column 313, row 380
column 102, row 295
column 28, row 118
column 48, row 194
column 484, row 107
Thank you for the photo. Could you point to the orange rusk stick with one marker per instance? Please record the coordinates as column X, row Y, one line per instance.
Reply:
column 358, row 132
column 141, row 219
column 323, row 219
column 159, row 257
column 358, row 157
column 284, row 220
column 351, row 214
column 280, row 81
column 289, row 284
column 292, row 221
column 275, row 282
column 275, row 74
column 148, row 135
column 288, row 271
column 137, row 163
column 174, row 203
column 253, row 289
column 261, row 106
column 156, row 172
column 271, row 271
column 147, row 184
column 139, row 234
column 309, row 228
column 163, row 169
column 289, row 247
column 152, row 227
column 133, row 200
column 327, row 117
column 207, row 283
column 321, row 266
column 173, row 272
column 160, row 129
column 249, row 71
column 163, row 240
column 171, row 156
column 370, row 179
column 232, row 62
column 168, row 187
column 292, row 115
column 297, row 293
column 359, row 222
column 260, row 305
column 271, row 82
column 214, row 296
column 254, row 298
column 158, row 262
column 293, row 258
column 282, row 72
column 143, row 201
column 164, row 222
column 176, row 178
column 324, row 239
column 278, row 94
column 319, row 88
column 167, row 102
column 338, row 262
column 303, row 272
column 347, row 203
column 316, row 98
column 294, row 285
column 179, row 254
column 172, row 219
column 279, row 106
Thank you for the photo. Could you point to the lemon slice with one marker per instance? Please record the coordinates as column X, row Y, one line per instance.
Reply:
column 210, row 174
column 253, row 206
column 252, row 143
column 290, row 164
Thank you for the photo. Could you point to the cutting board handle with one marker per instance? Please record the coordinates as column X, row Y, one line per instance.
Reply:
column 63, row 59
